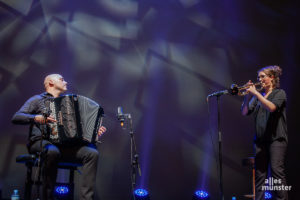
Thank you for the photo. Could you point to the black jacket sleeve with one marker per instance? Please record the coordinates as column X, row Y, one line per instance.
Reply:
column 279, row 99
column 27, row 112
column 252, row 105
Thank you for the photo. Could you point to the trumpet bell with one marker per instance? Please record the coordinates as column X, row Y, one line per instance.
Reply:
column 234, row 89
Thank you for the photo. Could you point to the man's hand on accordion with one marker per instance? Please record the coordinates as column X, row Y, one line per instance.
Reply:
column 42, row 120
column 101, row 130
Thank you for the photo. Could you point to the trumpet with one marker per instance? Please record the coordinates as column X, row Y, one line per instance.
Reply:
column 242, row 90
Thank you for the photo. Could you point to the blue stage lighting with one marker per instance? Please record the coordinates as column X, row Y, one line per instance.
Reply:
column 141, row 194
column 62, row 189
column 268, row 195
column 201, row 195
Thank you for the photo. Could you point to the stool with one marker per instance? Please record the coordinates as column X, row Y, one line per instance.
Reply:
column 250, row 162
column 31, row 160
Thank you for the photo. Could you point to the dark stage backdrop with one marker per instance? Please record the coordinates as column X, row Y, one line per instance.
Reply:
column 158, row 59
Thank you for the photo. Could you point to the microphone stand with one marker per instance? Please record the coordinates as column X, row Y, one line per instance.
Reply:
column 135, row 166
column 220, row 151
column 45, row 115
column 220, row 144
column 233, row 90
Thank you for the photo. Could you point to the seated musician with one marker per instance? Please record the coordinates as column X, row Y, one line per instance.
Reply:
column 32, row 113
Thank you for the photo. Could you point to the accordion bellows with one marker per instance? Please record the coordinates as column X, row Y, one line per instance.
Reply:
column 78, row 119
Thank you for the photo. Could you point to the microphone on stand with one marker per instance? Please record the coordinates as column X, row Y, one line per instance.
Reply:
column 233, row 90
column 46, row 112
column 120, row 116
column 218, row 93
column 45, row 108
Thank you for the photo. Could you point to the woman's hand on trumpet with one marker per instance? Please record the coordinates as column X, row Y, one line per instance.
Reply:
column 252, row 89
column 249, row 87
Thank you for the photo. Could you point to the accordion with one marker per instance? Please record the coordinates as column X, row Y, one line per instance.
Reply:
column 78, row 120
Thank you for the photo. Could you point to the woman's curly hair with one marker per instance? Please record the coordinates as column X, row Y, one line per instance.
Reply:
column 273, row 71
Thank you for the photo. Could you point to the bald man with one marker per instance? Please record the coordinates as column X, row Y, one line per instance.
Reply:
column 31, row 113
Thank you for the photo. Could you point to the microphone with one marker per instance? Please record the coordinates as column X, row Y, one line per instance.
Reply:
column 45, row 110
column 233, row 90
column 120, row 116
column 218, row 93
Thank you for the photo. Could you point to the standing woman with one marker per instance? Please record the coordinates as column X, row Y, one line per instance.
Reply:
column 269, row 110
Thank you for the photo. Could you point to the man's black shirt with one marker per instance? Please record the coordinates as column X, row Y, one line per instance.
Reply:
column 34, row 106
